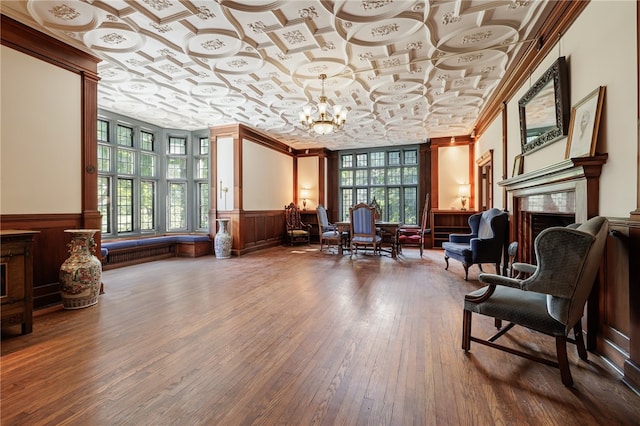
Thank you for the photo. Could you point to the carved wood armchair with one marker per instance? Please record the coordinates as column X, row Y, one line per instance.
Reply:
column 411, row 236
column 297, row 231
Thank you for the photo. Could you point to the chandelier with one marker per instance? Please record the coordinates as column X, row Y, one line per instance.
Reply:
column 324, row 124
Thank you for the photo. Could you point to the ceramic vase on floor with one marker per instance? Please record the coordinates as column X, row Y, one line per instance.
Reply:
column 222, row 241
column 81, row 273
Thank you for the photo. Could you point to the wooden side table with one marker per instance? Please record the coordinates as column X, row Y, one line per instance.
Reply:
column 16, row 273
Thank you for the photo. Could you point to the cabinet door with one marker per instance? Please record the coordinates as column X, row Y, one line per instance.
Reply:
column 13, row 284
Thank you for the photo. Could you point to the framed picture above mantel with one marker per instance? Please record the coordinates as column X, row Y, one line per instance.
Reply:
column 545, row 109
column 585, row 121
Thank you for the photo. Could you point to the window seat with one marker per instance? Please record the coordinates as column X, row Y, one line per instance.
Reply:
column 125, row 252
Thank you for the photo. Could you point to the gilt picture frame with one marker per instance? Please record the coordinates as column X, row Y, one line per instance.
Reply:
column 518, row 165
column 584, row 125
column 544, row 109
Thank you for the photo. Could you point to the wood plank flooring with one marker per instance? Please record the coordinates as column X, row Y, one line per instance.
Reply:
column 291, row 336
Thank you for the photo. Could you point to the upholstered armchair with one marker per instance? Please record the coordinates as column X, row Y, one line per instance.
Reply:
column 363, row 228
column 416, row 236
column 486, row 243
column 329, row 233
column 297, row 231
column 552, row 300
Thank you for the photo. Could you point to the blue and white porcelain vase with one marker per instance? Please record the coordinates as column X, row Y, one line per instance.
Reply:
column 81, row 274
column 222, row 241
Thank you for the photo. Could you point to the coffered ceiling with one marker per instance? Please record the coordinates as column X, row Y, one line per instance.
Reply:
column 406, row 70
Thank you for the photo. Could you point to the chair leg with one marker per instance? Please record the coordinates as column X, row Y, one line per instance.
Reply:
column 446, row 259
column 498, row 268
column 466, row 330
column 498, row 323
column 466, row 272
column 563, row 361
column 582, row 350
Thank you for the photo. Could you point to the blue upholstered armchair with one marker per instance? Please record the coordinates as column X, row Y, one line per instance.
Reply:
column 329, row 232
column 363, row 228
column 487, row 242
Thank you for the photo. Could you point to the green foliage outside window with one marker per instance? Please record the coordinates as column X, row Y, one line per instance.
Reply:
column 391, row 176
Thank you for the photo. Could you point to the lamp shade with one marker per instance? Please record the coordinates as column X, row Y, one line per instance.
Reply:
column 304, row 193
column 464, row 190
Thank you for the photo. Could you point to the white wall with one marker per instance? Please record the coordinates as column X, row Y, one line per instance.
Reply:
column 41, row 137
column 267, row 178
column 453, row 170
column 224, row 164
column 492, row 139
column 600, row 49
column 308, row 171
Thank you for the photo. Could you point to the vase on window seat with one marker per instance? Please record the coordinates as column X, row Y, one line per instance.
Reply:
column 81, row 274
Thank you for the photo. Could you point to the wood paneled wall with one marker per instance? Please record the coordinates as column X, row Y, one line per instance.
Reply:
column 50, row 246
column 258, row 230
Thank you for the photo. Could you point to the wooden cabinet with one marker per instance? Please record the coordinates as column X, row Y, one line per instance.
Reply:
column 16, row 269
column 445, row 222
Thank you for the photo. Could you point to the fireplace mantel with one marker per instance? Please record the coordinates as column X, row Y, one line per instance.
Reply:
column 579, row 175
column 568, row 190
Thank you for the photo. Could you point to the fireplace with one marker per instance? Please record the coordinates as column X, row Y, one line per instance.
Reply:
column 556, row 195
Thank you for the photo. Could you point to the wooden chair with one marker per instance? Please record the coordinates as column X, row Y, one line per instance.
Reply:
column 363, row 228
column 551, row 301
column 297, row 231
column 411, row 236
column 329, row 232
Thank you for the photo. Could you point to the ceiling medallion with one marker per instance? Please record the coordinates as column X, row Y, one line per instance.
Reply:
column 324, row 124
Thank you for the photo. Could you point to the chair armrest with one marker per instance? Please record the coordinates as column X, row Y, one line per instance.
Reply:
column 494, row 279
column 524, row 267
column 460, row 238
column 480, row 245
column 482, row 297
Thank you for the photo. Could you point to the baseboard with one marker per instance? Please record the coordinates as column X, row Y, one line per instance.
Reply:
column 632, row 376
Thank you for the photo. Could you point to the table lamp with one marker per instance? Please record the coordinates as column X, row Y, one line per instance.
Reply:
column 464, row 192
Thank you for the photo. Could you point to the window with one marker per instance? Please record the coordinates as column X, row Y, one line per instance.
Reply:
column 389, row 176
column 124, row 217
column 201, row 178
column 177, row 214
column 124, row 135
column 128, row 178
column 104, row 202
column 177, row 184
column 147, row 205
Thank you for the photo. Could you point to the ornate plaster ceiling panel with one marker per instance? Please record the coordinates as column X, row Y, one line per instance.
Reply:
column 406, row 70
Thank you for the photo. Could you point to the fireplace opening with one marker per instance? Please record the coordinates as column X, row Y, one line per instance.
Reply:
column 532, row 223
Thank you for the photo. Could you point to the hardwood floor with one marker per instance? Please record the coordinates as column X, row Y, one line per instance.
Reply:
column 291, row 336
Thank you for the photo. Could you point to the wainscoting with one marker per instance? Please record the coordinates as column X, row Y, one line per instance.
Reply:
column 254, row 230
column 49, row 250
